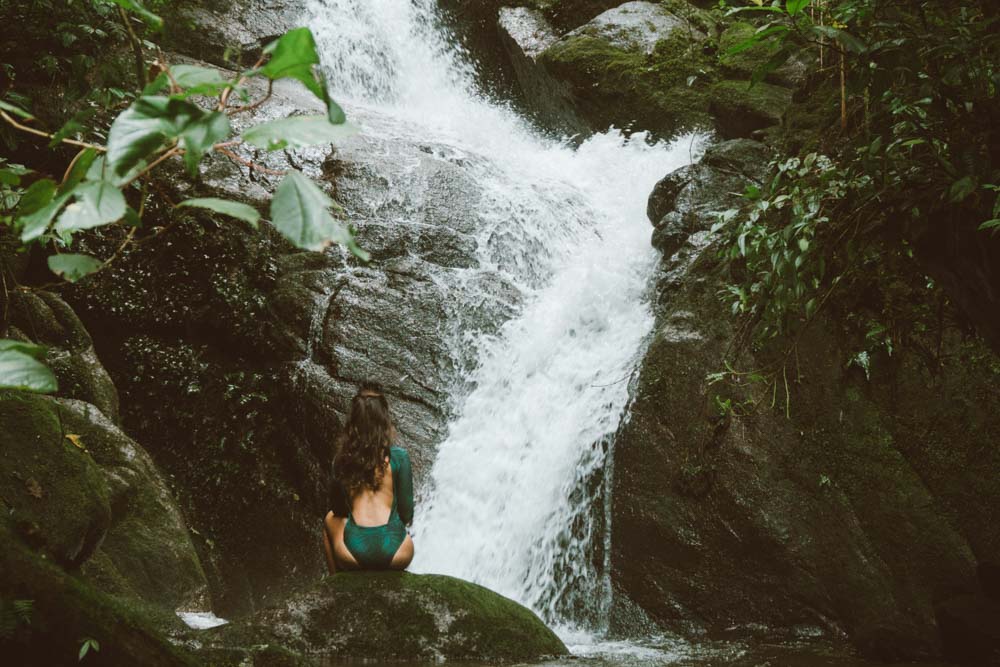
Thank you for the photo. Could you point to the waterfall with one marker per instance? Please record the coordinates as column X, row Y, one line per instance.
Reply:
column 516, row 497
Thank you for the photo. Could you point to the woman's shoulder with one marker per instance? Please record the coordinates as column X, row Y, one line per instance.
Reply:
column 398, row 455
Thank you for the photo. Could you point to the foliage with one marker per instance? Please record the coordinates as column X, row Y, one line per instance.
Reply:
column 14, row 614
column 86, row 646
column 918, row 85
column 21, row 367
column 183, row 114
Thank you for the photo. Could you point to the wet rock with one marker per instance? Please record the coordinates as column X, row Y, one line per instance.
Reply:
column 55, row 495
column 852, row 514
column 393, row 616
column 687, row 201
column 229, row 31
column 569, row 14
column 989, row 579
column 526, row 34
column 44, row 318
column 742, row 65
column 640, row 66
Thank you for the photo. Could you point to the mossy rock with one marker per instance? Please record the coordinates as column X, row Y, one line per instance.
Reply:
column 663, row 91
column 56, row 495
column 65, row 610
column 395, row 616
column 741, row 109
column 743, row 64
column 147, row 554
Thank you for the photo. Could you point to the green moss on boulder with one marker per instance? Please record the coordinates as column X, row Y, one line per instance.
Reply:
column 740, row 109
column 65, row 610
column 56, row 495
column 394, row 616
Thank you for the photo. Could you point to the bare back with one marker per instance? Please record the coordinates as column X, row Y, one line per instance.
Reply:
column 372, row 508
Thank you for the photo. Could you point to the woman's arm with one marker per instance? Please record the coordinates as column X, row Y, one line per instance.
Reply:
column 402, row 484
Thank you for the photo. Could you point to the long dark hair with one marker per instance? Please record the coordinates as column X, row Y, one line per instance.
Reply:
column 364, row 444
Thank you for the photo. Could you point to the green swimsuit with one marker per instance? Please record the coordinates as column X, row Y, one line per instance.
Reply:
column 374, row 546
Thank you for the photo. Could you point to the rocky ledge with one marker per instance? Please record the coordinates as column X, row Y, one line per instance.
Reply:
column 386, row 616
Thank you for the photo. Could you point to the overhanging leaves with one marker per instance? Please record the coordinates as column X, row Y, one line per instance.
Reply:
column 231, row 208
column 73, row 267
column 300, row 211
column 97, row 203
column 20, row 368
column 297, row 132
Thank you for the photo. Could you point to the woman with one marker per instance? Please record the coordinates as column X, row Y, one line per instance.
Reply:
column 372, row 499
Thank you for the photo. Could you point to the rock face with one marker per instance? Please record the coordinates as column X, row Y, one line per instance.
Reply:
column 393, row 616
column 856, row 514
column 229, row 31
column 526, row 33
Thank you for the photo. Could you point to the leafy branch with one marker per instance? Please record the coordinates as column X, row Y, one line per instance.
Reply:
column 162, row 125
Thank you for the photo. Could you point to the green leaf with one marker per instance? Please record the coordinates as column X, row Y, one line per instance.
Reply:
column 73, row 267
column 231, row 208
column 846, row 39
column 10, row 177
column 138, row 132
column 97, row 203
column 993, row 224
column 198, row 80
column 776, row 60
column 30, row 349
column 300, row 211
column 198, row 137
column 36, row 197
column 757, row 38
column 20, row 368
column 154, row 21
column 803, row 244
column 73, row 126
column 153, row 120
column 81, row 166
column 793, row 7
column 961, row 189
column 17, row 111
column 37, row 222
column 296, row 132
column 98, row 172
column 293, row 56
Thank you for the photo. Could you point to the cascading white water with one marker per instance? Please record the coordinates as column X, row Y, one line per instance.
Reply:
column 515, row 491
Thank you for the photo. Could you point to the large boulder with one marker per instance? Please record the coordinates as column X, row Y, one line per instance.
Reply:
column 77, row 488
column 639, row 66
column 147, row 554
column 851, row 509
column 391, row 616
column 52, row 491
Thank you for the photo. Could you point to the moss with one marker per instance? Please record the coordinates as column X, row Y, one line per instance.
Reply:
column 665, row 91
column 398, row 616
column 57, row 493
column 741, row 65
column 66, row 610
column 741, row 109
